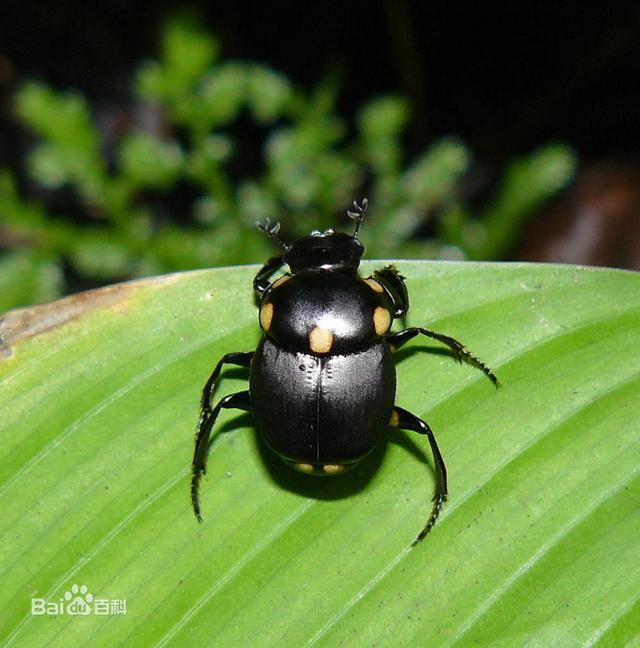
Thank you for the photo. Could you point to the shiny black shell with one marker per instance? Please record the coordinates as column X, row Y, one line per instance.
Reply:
column 322, row 410
column 340, row 302
column 328, row 407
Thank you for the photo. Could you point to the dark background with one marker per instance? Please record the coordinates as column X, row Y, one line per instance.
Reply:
column 505, row 79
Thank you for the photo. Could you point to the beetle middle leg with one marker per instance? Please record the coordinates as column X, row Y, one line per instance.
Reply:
column 461, row 352
column 238, row 359
column 405, row 420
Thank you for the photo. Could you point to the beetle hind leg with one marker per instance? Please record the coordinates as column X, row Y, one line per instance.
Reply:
column 239, row 400
column 405, row 420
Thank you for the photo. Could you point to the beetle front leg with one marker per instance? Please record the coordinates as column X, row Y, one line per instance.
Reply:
column 239, row 400
column 393, row 283
column 405, row 420
column 262, row 280
column 396, row 340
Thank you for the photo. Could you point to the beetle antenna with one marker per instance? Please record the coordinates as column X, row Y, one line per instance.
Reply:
column 271, row 230
column 358, row 214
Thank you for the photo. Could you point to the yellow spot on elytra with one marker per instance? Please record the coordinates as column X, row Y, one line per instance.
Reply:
column 320, row 340
column 333, row 469
column 280, row 281
column 374, row 284
column 381, row 320
column 395, row 419
column 266, row 315
column 304, row 467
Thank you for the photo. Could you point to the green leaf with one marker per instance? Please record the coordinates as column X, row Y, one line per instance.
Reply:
column 98, row 255
column 223, row 91
column 537, row 543
column 62, row 118
column 381, row 123
column 149, row 162
column 187, row 53
column 268, row 93
column 527, row 184
column 70, row 152
column 430, row 180
column 434, row 175
column 384, row 117
column 27, row 278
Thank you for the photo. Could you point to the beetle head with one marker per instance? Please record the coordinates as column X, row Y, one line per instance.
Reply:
column 324, row 250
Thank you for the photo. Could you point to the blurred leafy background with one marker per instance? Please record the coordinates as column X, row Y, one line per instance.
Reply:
column 196, row 146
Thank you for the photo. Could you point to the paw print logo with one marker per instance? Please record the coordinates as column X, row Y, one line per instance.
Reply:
column 78, row 600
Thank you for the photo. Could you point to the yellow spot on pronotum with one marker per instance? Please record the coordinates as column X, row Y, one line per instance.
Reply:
column 320, row 340
column 304, row 467
column 374, row 285
column 280, row 281
column 266, row 315
column 333, row 469
column 395, row 419
column 381, row 320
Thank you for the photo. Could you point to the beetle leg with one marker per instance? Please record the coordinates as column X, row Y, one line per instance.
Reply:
column 239, row 400
column 393, row 283
column 262, row 280
column 405, row 420
column 239, row 359
column 206, row 415
column 396, row 340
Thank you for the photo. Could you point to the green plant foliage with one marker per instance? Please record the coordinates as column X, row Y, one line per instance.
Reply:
column 149, row 162
column 527, row 182
column 183, row 186
column 536, row 545
column 26, row 276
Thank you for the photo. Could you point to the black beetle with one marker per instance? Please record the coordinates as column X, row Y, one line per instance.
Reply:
column 322, row 382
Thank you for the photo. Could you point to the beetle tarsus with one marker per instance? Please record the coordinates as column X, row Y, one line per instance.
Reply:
column 195, row 502
column 438, row 499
